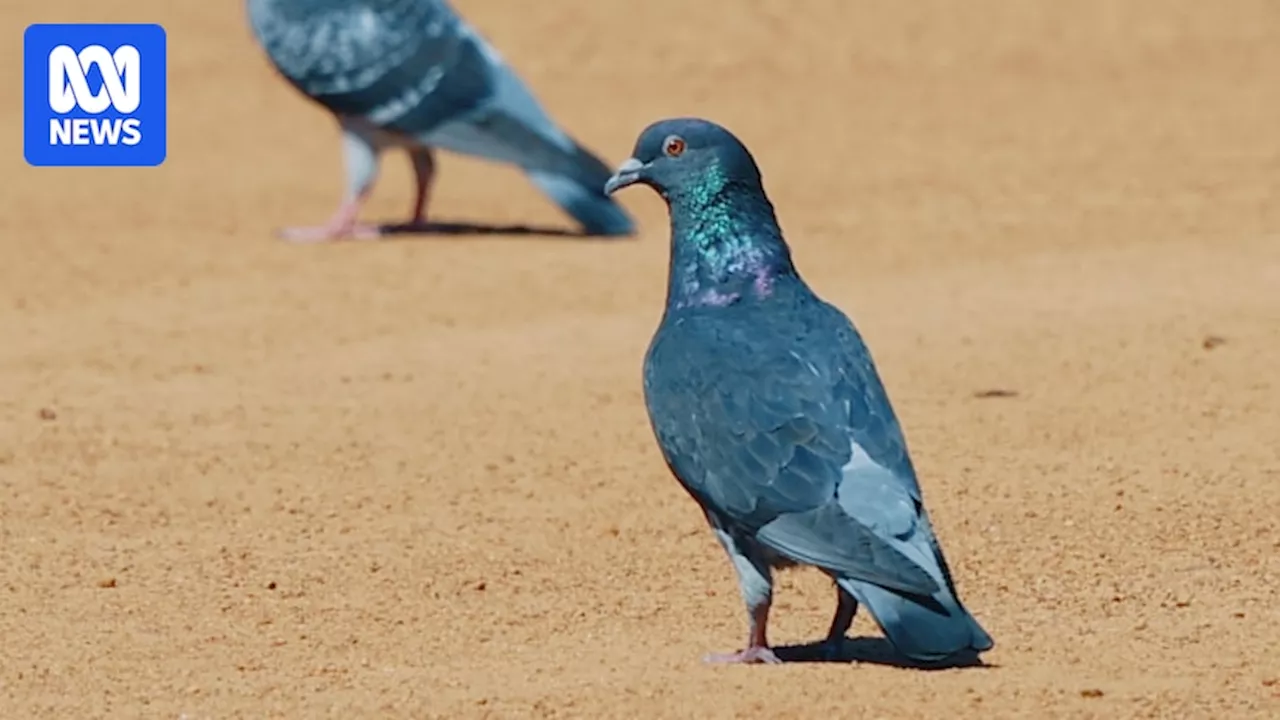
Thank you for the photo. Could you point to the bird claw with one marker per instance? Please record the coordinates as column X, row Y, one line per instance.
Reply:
column 327, row 233
column 750, row 656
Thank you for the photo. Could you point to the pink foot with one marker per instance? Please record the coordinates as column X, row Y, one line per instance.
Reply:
column 751, row 655
column 327, row 233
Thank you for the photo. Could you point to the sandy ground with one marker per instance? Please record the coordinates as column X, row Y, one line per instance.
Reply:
column 241, row 478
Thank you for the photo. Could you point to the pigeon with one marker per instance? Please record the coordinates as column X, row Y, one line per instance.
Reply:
column 413, row 74
column 769, row 411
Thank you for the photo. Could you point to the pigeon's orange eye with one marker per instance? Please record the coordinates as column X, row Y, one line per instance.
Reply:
column 673, row 146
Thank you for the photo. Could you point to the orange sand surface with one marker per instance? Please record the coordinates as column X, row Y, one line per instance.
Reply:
column 243, row 478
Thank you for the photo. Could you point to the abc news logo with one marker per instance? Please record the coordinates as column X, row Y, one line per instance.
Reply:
column 69, row 90
column 95, row 95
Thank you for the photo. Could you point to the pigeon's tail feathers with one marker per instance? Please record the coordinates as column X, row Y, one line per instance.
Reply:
column 561, row 168
column 929, row 626
column 580, row 193
column 508, row 125
column 925, row 629
column 511, row 126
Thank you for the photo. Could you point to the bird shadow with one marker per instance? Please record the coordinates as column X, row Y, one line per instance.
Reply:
column 411, row 231
column 872, row 651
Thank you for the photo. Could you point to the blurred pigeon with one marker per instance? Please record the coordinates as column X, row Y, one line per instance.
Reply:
column 769, row 411
column 413, row 74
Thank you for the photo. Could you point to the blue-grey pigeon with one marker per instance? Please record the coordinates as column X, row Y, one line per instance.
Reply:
column 769, row 411
column 413, row 74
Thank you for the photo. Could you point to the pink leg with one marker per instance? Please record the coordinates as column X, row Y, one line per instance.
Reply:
column 360, row 157
column 757, row 650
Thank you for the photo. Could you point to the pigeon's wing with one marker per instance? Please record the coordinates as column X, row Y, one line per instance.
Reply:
column 879, row 490
column 402, row 65
column 874, row 431
column 878, row 484
column 758, row 429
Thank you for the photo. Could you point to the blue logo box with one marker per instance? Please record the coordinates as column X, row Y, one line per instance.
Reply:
column 95, row 95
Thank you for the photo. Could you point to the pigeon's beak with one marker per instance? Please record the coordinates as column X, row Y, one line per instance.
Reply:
column 628, row 174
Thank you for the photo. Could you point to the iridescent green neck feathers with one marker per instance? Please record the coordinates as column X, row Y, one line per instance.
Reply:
column 726, row 245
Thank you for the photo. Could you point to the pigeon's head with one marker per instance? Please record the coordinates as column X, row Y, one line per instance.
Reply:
column 682, row 154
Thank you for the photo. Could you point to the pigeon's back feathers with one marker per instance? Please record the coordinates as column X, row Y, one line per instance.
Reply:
column 359, row 55
column 760, row 428
column 406, row 66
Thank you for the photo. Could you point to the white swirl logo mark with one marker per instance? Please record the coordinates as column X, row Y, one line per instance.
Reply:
column 121, row 79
